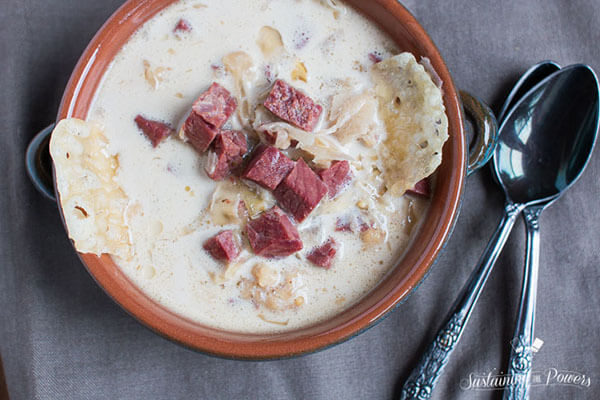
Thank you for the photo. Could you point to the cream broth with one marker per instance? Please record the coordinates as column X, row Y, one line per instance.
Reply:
column 326, row 51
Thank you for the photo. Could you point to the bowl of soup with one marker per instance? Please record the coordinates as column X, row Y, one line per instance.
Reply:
column 259, row 187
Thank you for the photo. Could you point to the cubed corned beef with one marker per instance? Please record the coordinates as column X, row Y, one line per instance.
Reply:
column 336, row 177
column 422, row 188
column 272, row 234
column 270, row 137
column 344, row 224
column 364, row 225
column 182, row 26
column 242, row 211
column 209, row 112
column 198, row 132
column 215, row 105
column 155, row 131
column 324, row 254
column 223, row 246
column 268, row 167
column 238, row 139
column 300, row 192
column 229, row 150
column 293, row 106
column 375, row 57
column 277, row 139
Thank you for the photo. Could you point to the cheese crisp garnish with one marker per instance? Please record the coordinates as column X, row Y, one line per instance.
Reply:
column 412, row 108
column 94, row 205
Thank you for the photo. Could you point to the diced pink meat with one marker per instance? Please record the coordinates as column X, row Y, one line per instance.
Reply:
column 223, row 246
column 301, row 39
column 229, row 150
column 364, row 226
column 344, row 224
column 218, row 69
column 336, row 177
column 268, row 167
column 242, row 210
column 155, row 131
column 272, row 234
column 293, row 106
column 215, row 105
column 375, row 57
column 422, row 188
column 270, row 137
column 182, row 26
column 269, row 74
column 324, row 254
column 300, row 192
column 209, row 112
column 198, row 132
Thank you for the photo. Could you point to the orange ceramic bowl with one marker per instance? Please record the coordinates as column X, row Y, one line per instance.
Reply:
column 406, row 275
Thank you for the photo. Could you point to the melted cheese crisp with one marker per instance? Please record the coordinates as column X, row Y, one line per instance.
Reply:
column 94, row 205
column 413, row 110
column 153, row 208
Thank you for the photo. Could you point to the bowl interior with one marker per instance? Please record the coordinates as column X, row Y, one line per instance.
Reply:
column 407, row 274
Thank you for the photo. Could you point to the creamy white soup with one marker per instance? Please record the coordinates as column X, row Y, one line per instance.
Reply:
column 144, row 195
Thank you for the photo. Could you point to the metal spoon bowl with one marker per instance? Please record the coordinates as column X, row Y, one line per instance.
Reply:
column 547, row 138
column 534, row 75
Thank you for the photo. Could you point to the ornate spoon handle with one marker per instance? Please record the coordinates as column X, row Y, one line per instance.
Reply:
column 419, row 384
column 519, row 366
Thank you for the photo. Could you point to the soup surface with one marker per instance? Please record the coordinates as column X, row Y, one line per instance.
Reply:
column 153, row 207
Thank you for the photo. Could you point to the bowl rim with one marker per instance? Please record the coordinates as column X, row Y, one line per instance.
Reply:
column 226, row 344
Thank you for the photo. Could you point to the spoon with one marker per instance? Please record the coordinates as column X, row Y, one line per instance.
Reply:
column 570, row 134
column 534, row 75
column 546, row 140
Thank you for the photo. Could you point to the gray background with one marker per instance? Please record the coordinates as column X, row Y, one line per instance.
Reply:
column 61, row 337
